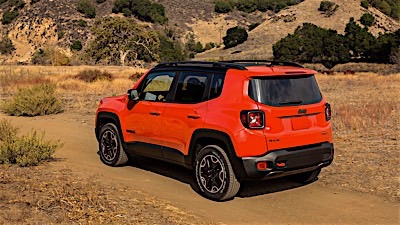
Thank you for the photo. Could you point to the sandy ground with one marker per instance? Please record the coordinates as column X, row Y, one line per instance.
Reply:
column 269, row 202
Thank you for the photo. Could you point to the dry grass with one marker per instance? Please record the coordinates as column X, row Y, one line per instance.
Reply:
column 365, row 110
column 365, row 122
column 49, row 195
column 77, row 95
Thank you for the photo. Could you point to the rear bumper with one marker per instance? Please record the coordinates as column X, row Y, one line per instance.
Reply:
column 297, row 160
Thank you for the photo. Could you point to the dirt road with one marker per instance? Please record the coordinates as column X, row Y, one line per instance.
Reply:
column 269, row 202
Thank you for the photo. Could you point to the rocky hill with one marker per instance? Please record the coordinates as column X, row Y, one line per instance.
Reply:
column 57, row 24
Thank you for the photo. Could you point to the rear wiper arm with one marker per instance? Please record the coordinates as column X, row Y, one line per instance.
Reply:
column 290, row 103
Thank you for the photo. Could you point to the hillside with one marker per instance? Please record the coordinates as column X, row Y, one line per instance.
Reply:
column 275, row 27
column 56, row 24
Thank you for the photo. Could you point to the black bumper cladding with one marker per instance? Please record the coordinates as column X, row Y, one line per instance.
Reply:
column 296, row 160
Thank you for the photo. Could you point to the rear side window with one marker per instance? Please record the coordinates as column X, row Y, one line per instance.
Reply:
column 191, row 87
column 285, row 90
column 216, row 85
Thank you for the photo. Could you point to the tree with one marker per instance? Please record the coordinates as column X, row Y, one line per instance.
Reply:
column 85, row 7
column 360, row 41
column 117, row 39
column 325, row 6
column 364, row 4
column 77, row 46
column 313, row 44
column 223, row 6
column 142, row 9
column 367, row 20
column 170, row 50
column 246, row 5
column 9, row 16
column 235, row 36
column 6, row 46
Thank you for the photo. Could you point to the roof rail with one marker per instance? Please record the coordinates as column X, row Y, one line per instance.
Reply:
column 203, row 64
column 262, row 62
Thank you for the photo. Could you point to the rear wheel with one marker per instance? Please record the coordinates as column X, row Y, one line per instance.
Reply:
column 110, row 147
column 306, row 177
column 214, row 174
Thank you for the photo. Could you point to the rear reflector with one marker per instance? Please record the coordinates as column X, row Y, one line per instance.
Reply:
column 262, row 166
column 280, row 164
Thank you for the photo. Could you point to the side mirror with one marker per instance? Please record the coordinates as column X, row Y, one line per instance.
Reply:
column 133, row 95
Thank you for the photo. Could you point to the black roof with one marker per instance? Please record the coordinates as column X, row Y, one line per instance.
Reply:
column 232, row 64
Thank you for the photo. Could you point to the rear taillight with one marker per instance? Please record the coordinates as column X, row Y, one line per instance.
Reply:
column 328, row 112
column 252, row 119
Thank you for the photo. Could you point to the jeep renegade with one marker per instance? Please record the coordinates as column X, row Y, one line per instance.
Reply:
column 227, row 121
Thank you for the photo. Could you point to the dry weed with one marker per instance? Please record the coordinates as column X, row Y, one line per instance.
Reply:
column 48, row 195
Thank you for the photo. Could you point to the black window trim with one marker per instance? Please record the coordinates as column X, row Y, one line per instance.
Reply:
column 286, row 76
column 174, row 85
column 141, row 85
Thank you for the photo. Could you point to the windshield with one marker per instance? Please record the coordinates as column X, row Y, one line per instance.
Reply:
column 285, row 90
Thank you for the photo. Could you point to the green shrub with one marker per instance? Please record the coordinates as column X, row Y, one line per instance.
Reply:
column 9, row 16
column 82, row 23
column 41, row 57
column 364, row 4
column 223, row 6
column 209, row 46
column 85, row 7
column 383, row 6
column 170, row 50
column 77, row 46
column 325, row 6
column 60, row 34
column 18, row 4
column 253, row 26
column 26, row 150
column 144, row 10
column 3, row 1
column 367, row 20
column 235, row 36
column 6, row 46
column 246, row 5
column 90, row 76
column 100, row 1
column 38, row 100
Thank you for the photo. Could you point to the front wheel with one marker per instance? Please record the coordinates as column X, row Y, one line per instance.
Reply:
column 214, row 174
column 110, row 147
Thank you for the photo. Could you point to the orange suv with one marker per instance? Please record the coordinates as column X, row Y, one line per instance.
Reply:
column 229, row 121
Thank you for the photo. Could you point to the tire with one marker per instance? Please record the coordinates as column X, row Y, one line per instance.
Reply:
column 214, row 174
column 306, row 177
column 110, row 147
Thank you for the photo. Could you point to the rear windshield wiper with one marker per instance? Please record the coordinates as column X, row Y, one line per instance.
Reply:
column 290, row 103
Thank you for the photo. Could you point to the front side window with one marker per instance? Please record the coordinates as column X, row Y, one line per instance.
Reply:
column 285, row 90
column 157, row 86
column 191, row 87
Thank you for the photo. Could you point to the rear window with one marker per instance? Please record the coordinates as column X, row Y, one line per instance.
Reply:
column 285, row 90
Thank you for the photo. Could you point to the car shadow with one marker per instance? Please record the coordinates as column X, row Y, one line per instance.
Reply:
column 184, row 175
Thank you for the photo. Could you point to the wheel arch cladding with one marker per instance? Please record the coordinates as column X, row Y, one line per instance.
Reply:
column 204, row 137
column 108, row 117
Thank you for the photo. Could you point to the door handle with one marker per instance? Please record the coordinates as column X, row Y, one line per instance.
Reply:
column 155, row 113
column 194, row 116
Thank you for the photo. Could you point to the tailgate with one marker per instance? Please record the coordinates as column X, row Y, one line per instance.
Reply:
column 294, row 110
column 296, row 126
